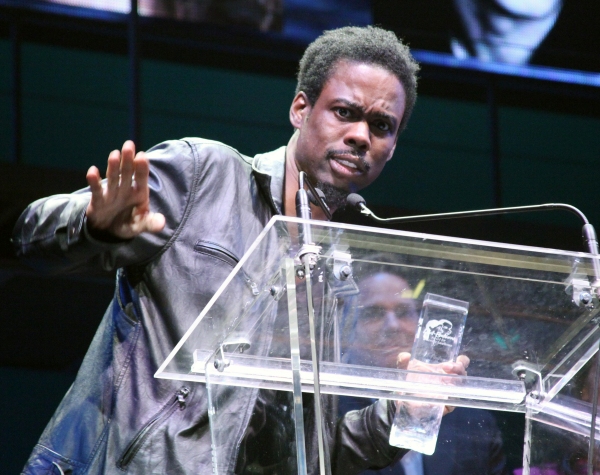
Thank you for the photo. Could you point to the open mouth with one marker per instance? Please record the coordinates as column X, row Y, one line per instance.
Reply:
column 346, row 163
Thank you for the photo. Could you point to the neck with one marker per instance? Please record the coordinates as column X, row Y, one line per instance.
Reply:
column 291, row 183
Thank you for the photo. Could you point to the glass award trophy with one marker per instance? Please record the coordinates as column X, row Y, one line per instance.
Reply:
column 439, row 333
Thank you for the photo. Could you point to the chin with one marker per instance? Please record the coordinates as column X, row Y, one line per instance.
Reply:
column 334, row 195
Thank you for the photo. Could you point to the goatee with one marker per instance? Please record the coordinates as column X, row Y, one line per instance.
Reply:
column 334, row 197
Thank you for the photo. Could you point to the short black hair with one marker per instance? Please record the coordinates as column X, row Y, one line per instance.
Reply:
column 370, row 45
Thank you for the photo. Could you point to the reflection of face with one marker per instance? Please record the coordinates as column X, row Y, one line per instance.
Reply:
column 386, row 321
column 350, row 132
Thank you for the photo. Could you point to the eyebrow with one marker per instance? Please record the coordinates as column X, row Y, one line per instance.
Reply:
column 354, row 105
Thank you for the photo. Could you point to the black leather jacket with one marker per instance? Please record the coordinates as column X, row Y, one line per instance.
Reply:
column 117, row 417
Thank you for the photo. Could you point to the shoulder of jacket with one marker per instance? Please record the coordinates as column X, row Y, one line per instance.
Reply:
column 223, row 149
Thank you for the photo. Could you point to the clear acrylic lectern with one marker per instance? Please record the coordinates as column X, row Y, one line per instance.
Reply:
column 290, row 345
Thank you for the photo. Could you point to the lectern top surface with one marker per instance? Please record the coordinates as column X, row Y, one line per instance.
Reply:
column 529, row 326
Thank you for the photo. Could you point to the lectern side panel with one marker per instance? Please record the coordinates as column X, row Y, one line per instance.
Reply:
column 572, row 408
column 263, row 420
column 555, row 451
column 239, row 316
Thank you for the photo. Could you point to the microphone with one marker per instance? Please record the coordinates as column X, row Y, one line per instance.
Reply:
column 303, row 208
column 357, row 202
column 354, row 200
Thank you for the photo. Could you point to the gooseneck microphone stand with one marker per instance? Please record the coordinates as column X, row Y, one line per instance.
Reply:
column 590, row 240
column 308, row 257
column 589, row 234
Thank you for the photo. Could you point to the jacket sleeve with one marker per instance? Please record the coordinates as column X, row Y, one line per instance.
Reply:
column 52, row 232
column 362, row 440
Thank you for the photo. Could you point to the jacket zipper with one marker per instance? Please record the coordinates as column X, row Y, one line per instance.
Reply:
column 178, row 402
column 211, row 249
column 217, row 251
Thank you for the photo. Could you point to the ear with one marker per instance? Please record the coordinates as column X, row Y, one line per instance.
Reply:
column 299, row 110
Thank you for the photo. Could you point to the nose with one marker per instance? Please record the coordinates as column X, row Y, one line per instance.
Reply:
column 358, row 136
column 392, row 322
column 399, row 324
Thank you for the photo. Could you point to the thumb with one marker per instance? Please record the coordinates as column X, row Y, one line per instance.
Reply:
column 402, row 360
column 154, row 222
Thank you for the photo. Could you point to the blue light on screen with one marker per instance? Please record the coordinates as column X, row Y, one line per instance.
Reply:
column 527, row 71
column 472, row 35
column 304, row 20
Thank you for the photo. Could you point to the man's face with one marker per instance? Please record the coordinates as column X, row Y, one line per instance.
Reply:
column 349, row 134
column 386, row 321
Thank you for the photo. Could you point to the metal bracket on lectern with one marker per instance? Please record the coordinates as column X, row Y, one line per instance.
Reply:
column 341, row 264
column 531, row 376
column 235, row 342
column 580, row 289
column 310, row 253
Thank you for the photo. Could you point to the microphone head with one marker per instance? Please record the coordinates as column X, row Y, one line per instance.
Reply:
column 312, row 199
column 355, row 201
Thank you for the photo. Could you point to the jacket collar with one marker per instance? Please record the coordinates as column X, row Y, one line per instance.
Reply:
column 269, row 170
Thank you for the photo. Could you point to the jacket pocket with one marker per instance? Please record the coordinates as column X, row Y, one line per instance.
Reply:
column 214, row 250
column 177, row 402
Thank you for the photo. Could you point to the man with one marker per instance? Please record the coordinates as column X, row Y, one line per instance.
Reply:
column 174, row 221
column 385, row 323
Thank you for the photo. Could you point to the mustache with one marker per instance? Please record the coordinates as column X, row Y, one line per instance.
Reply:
column 353, row 152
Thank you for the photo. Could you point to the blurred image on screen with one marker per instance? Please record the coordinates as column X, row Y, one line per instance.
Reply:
column 547, row 39
column 301, row 20
column 560, row 34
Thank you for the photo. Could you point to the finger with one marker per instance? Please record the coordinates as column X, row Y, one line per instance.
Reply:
column 112, row 171
column 95, row 183
column 149, row 222
column 455, row 368
column 402, row 360
column 464, row 360
column 127, row 156
column 452, row 368
column 141, row 171
column 448, row 410
column 155, row 222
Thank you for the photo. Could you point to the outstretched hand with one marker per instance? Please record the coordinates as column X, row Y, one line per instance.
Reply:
column 458, row 367
column 121, row 206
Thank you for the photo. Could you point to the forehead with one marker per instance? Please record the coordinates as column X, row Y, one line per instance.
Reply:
column 366, row 84
column 384, row 290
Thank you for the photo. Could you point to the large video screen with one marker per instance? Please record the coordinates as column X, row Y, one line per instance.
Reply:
column 555, row 40
column 301, row 20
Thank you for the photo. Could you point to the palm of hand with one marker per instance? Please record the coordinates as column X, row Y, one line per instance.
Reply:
column 121, row 205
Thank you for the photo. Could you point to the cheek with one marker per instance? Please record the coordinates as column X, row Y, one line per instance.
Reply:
column 366, row 331
column 409, row 326
column 312, row 138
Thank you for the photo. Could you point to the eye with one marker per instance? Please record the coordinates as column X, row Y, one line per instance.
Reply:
column 343, row 112
column 383, row 126
column 372, row 314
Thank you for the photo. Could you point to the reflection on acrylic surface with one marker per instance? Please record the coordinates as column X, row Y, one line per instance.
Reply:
column 557, row 450
column 386, row 319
